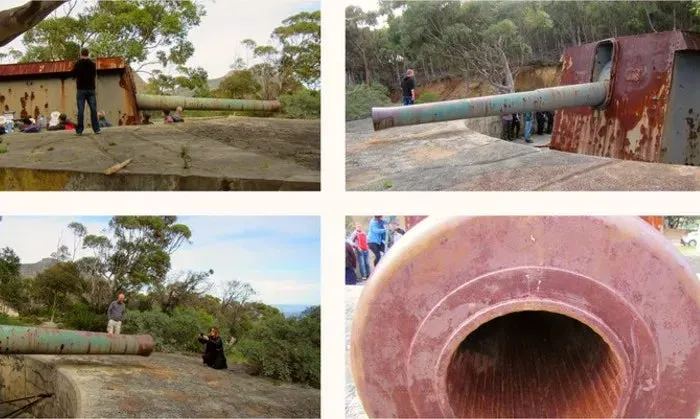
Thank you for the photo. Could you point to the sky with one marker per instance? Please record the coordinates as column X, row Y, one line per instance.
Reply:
column 279, row 256
column 217, row 40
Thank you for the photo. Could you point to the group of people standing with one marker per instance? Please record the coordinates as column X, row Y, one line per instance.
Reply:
column 512, row 123
column 359, row 243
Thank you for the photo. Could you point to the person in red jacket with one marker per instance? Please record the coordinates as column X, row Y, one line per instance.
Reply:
column 358, row 240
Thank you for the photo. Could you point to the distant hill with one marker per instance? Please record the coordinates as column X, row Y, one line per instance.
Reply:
column 30, row 270
column 290, row 310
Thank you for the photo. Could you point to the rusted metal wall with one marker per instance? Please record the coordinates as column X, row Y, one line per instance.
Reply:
column 633, row 124
column 34, row 89
column 656, row 221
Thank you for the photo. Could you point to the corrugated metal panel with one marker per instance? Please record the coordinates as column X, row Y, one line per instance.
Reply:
column 56, row 67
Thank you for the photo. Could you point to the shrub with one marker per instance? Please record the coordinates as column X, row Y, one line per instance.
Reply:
column 171, row 333
column 360, row 99
column 80, row 317
column 428, row 97
column 285, row 349
column 302, row 104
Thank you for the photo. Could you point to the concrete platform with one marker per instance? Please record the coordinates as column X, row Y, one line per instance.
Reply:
column 162, row 385
column 447, row 156
column 225, row 154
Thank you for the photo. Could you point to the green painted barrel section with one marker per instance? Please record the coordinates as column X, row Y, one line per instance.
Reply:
column 36, row 340
column 571, row 96
column 156, row 102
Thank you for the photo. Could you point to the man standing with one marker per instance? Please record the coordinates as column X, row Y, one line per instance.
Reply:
column 376, row 237
column 115, row 313
column 527, row 116
column 507, row 125
column 85, row 71
column 408, row 88
column 358, row 240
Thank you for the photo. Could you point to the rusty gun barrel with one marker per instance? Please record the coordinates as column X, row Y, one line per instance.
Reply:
column 156, row 102
column 529, row 317
column 572, row 96
column 36, row 340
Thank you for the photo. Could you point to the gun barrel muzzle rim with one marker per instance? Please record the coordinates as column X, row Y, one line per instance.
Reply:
column 455, row 324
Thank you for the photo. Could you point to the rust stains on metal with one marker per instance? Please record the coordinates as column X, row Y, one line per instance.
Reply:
column 57, row 67
column 455, row 324
column 631, row 126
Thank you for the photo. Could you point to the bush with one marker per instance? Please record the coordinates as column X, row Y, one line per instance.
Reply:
column 285, row 349
column 360, row 99
column 171, row 333
column 80, row 317
column 302, row 104
column 10, row 321
column 428, row 97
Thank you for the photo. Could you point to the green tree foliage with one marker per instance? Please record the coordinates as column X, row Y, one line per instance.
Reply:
column 360, row 98
column 175, row 332
column 304, row 103
column 490, row 40
column 300, row 36
column 11, row 288
column 56, row 286
column 286, row 349
column 139, row 253
column 144, row 32
column 238, row 84
column 129, row 29
column 289, row 68
column 181, row 289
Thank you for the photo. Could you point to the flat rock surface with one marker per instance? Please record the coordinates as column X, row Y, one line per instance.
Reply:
column 263, row 149
column 171, row 385
column 447, row 156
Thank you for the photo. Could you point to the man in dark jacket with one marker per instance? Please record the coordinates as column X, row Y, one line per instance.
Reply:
column 408, row 88
column 85, row 72
column 214, row 350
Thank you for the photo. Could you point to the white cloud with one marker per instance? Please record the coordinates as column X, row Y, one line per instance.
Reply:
column 283, row 264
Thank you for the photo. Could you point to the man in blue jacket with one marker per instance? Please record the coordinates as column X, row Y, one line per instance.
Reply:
column 376, row 236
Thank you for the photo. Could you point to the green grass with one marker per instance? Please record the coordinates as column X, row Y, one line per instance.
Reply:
column 3, row 149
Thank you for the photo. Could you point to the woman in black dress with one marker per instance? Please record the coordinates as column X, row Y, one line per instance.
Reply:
column 214, row 350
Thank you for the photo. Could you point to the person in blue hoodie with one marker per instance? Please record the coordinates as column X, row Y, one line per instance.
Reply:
column 376, row 236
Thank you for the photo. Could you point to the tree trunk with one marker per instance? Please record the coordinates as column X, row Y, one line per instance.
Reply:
column 14, row 22
column 53, row 308
column 368, row 75
column 646, row 10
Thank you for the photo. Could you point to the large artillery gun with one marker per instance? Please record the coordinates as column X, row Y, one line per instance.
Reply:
column 632, row 98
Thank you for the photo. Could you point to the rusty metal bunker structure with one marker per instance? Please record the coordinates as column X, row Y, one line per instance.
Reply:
column 529, row 317
column 633, row 98
column 33, row 89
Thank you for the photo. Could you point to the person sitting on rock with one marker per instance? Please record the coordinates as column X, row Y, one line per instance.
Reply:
column 102, row 120
column 30, row 126
column 214, row 350
column 63, row 123
column 173, row 117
